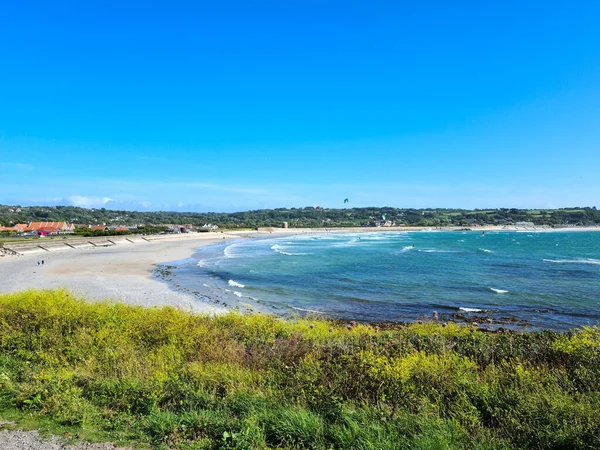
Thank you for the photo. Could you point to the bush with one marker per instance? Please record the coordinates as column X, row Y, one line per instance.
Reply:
column 169, row 378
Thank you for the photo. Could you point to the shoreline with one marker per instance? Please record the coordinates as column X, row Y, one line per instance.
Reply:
column 123, row 273
column 131, row 272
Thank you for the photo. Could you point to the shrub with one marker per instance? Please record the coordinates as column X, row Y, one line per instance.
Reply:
column 169, row 378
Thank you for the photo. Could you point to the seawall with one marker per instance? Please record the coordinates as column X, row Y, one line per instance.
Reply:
column 64, row 243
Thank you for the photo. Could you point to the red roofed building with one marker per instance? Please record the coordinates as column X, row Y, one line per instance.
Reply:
column 62, row 227
column 49, row 230
column 99, row 227
column 51, row 227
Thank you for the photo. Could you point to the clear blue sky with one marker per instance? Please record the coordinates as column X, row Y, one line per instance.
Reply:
column 235, row 105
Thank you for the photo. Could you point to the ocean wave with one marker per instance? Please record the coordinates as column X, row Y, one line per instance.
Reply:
column 305, row 310
column 349, row 280
column 485, row 250
column 279, row 249
column 235, row 284
column 228, row 252
column 437, row 251
column 350, row 243
column 377, row 237
column 408, row 248
column 236, row 293
column 498, row 291
column 574, row 261
column 470, row 309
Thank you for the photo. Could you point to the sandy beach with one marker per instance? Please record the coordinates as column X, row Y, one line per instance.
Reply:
column 120, row 272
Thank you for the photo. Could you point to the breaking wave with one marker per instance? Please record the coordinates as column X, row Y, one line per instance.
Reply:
column 498, row 291
column 350, row 243
column 305, row 310
column 235, row 284
column 228, row 252
column 236, row 293
column 279, row 249
column 574, row 261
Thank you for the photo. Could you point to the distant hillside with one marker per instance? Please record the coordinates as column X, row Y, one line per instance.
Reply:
column 305, row 217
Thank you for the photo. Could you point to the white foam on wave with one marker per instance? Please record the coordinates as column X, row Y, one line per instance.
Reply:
column 280, row 249
column 228, row 252
column 470, row 309
column 498, row 291
column 408, row 248
column 235, row 284
column 437, row 251
column 351, row 243
column 305, row 310
column 574, row 261
column 236, row 293
column 380, row 237
column 205, row 285
column 485, row 250
column 201, row 263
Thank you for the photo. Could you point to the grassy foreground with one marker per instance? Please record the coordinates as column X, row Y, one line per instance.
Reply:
column 170, row 379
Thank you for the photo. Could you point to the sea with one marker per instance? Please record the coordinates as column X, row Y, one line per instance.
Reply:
column 528, row 280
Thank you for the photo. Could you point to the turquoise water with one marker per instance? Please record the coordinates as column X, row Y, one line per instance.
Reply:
column 522, row 279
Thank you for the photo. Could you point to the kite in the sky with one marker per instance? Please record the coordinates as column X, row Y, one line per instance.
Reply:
column 317, row 207
column 345, row 200
column 383, row 216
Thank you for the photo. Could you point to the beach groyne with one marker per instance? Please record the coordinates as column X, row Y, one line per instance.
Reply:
column 52, row 245
column 56, row 244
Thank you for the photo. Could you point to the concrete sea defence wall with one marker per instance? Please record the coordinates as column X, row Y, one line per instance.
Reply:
column 55, row 244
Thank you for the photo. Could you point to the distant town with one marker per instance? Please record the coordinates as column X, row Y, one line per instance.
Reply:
column 53, row 228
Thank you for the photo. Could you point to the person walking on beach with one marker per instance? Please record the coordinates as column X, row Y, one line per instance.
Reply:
column 38, row 262
column 42, row 262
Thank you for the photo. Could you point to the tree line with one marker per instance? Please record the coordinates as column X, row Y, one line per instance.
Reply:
column 308, row 217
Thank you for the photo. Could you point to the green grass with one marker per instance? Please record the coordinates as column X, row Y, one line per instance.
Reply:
column 59, row 237
column 165, row 378
column 8, row 239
